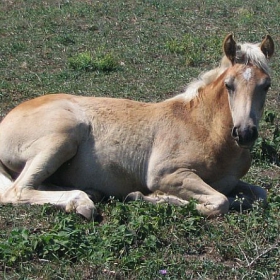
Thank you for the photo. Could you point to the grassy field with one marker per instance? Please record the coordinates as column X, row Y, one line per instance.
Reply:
column 143, row 50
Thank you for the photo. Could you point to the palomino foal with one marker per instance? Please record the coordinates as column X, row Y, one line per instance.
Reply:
column 65, row 149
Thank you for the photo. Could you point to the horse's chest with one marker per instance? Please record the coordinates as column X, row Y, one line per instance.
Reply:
column 223, row 170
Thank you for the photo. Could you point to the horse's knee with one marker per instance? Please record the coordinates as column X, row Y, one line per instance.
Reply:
column 222, row 205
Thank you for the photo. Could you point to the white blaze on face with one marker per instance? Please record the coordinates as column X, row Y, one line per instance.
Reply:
column 247, row 74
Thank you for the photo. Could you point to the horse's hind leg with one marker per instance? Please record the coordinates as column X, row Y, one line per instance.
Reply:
column 244, row 195
column 5, row 180
column 38, row 168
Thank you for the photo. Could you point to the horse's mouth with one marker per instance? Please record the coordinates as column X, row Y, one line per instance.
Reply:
column 247, row 146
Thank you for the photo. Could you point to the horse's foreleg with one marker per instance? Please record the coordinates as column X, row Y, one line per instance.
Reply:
column 244, row 195
column 185, row 185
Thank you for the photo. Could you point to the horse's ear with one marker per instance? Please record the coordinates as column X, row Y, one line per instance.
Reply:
column 229, row 47
column 267, row 46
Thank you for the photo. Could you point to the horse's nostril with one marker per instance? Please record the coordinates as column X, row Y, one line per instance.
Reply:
column 234, row 133
column 245, row 137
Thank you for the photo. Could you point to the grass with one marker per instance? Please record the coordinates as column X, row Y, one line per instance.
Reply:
column 85, row 61
column 143, row 50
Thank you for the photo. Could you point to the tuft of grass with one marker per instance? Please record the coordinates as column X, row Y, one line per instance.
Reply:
column 101, row 62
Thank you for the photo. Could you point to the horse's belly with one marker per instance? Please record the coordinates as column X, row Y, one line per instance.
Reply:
column 92, row 171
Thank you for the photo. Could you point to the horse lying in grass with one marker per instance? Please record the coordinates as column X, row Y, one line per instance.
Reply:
column 64, row 149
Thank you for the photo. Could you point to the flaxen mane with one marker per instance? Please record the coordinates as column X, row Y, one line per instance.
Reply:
column 251, row 53
column 246, row 53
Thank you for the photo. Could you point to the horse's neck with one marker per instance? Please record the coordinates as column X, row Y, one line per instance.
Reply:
column 216, row 93
column 214, row 106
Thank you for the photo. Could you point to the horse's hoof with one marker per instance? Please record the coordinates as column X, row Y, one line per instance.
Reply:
column 88, row 212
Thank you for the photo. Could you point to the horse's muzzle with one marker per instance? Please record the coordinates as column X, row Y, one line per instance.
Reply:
column 245, row 138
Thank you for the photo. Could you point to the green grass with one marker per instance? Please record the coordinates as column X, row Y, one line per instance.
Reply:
column 196, row 52
column 85, row 61
column 143, row 50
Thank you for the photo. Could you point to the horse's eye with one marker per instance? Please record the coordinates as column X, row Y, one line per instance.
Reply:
column 229, row 86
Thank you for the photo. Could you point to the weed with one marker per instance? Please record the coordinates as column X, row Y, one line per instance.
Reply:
column 82, row 61
column 85, row 61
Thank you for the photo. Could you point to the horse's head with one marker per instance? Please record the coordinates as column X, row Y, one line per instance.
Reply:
column 247, row 82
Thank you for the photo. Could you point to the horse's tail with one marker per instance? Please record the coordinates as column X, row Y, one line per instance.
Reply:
column 5, row 179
